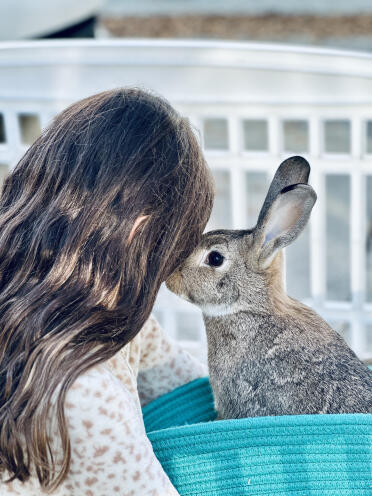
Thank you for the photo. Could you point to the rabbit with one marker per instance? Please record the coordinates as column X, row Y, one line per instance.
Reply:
column 268, row 354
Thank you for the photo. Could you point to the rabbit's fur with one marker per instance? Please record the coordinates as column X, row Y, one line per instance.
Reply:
column 269, row 354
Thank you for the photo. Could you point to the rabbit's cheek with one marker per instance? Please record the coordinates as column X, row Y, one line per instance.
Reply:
column 228, row 290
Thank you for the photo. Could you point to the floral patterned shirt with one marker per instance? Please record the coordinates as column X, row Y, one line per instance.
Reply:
column 110, row 452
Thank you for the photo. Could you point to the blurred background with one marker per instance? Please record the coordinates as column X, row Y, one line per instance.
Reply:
column 260, row 81
column 341, row 24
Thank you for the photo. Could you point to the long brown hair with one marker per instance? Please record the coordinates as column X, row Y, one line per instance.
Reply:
column 73, row 290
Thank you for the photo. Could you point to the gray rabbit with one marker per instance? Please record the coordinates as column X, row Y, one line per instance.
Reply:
column 269, row 354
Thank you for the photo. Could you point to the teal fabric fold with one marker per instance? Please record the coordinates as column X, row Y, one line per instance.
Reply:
column 188, row 404
column 294, row 455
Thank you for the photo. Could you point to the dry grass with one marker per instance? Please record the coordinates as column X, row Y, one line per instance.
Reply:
column 263, row 27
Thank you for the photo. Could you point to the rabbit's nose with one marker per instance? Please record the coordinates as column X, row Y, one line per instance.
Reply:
column 174, row 282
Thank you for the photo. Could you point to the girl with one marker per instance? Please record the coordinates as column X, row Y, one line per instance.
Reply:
column 100, row 210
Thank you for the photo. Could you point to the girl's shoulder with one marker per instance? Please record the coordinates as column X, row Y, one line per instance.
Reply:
column 100, row 413
column 91, row 382
column 98, row 387
column 115, row 377
column 106, row 433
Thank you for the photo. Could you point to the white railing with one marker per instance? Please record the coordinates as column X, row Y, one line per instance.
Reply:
column 252, row 105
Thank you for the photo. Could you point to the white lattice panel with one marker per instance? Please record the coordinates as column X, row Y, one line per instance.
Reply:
column 252, row 105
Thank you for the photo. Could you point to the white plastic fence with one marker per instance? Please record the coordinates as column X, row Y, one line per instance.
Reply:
column 252, row 106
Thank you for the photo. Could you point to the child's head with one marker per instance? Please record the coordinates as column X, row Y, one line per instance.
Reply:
column 104, row 163
column 77, row 268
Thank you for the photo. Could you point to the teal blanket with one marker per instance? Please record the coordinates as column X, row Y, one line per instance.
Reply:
column 295, row 455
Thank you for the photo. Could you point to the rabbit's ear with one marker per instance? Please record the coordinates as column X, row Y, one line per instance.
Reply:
column 284, row 220
column 293, row 170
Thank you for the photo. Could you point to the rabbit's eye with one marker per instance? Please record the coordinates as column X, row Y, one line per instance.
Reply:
column 215, row 259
